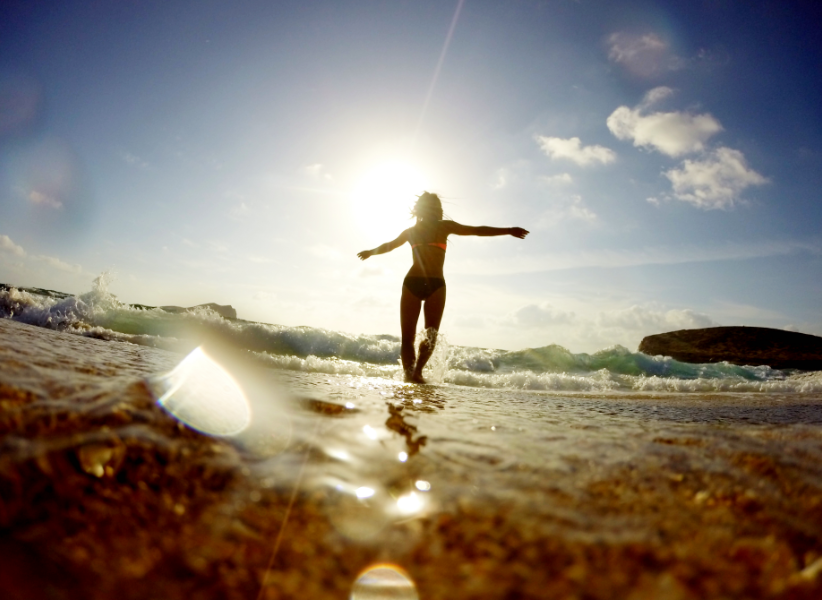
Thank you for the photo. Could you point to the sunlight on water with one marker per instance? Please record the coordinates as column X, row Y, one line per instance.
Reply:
column 201, row 394
column 384, row 582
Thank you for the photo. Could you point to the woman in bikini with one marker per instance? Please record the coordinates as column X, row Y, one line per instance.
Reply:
column 424, row 285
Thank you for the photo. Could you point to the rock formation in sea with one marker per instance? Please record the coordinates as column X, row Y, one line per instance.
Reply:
column 754, row 346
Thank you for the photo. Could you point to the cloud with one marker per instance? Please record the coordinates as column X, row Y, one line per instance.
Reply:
column 326, row 252
column 59, row 264
column 646, row 319
column 714, row 182
column 571, row 209
column 542, row 315
column 560, row 179
column 317, row 171
column 649, row 54
column 43, row 199
column 264, row 296
column 572, row 149
column 7, row 245
column 500, row 179
column 133, row 160
column 372, row 271
column 642, row 55
column 637, row 257
column 672, row 133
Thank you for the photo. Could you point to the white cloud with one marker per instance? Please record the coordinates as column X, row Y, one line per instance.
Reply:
column 43, row 199
column 655, row 96
column 260, row 260
column 7, row 245
column 59, row 264
column 500, row 179
column 573, row 150
column 372, row 271
column 327, row 252
column 714, row 182
column 560, row 179
column 317, row 171
column 644, row 319
column 672, row 133
column 626, row 47
column 642, row 55
column 572, row 208
column 240, row 210
column 264, row 296
column 543, row 315
column 133, row 160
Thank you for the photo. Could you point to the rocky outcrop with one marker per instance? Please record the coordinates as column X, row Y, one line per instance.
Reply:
column 740, row 346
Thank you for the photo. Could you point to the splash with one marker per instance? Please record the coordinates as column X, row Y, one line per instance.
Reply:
column 99, row 314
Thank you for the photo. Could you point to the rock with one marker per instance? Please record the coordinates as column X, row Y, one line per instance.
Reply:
column 754, row 346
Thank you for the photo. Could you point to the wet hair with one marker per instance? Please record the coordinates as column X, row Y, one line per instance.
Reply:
column 428, row 207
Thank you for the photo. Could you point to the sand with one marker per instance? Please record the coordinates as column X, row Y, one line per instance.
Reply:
column 103, row 494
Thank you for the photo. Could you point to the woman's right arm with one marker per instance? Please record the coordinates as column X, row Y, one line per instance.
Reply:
column 386, row 247
column 484, row 230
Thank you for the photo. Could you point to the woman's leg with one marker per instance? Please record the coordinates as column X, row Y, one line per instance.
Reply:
column 409, row 315
column 434, row 307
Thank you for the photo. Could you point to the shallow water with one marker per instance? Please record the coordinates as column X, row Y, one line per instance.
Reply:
column 467, row 492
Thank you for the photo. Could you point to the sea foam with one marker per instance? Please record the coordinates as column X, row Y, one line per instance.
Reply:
column 99, row 314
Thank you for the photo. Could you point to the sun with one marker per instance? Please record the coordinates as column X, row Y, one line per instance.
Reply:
column 385, row 194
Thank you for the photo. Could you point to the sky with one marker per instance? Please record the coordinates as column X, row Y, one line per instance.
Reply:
column 666, row 157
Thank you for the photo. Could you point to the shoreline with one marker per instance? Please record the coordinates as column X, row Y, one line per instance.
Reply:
column 104, row 486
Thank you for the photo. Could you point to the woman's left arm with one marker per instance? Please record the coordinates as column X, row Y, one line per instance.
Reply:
column 386, row 247
column 484, row 230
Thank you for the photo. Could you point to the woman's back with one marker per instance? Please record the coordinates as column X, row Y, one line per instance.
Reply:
column 428, row 244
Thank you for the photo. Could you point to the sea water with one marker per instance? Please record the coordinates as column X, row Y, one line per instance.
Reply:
column 614, row 447
column 98, row 314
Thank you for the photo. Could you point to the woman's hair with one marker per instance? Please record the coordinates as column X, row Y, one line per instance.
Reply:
column 428, row 207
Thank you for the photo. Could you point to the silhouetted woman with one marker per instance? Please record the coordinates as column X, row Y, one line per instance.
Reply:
column 424, row 282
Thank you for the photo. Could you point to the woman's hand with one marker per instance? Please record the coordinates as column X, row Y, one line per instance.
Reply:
column 364, row 254
column 519, row 232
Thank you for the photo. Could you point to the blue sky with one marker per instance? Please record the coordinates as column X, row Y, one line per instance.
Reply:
column 666, row 156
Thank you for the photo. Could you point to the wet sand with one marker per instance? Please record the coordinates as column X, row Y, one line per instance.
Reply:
column 103, row 494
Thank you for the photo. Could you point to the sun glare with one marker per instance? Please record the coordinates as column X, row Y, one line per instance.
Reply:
column 385, row 194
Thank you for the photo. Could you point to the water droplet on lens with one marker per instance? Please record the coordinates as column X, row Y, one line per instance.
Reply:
column 384, row 582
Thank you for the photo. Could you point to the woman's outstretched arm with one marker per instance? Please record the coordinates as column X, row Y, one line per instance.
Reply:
column 484, row 230
column 386, row 247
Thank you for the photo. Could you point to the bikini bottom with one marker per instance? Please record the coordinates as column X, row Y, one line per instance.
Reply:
column 423, row 287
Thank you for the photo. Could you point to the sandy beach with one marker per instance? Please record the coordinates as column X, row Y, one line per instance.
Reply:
column 103, row 493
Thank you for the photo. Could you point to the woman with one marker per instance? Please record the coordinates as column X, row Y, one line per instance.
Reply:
column 424, row 285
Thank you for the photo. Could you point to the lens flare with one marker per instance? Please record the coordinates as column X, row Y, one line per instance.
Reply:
column 201, row 394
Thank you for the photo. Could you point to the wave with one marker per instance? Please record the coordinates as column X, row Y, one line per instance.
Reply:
column 99, row 314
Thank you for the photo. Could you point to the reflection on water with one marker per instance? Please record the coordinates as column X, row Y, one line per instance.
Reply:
column 384, row 582
column 396, row 422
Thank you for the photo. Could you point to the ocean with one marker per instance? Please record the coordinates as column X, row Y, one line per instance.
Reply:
column 168, row 453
